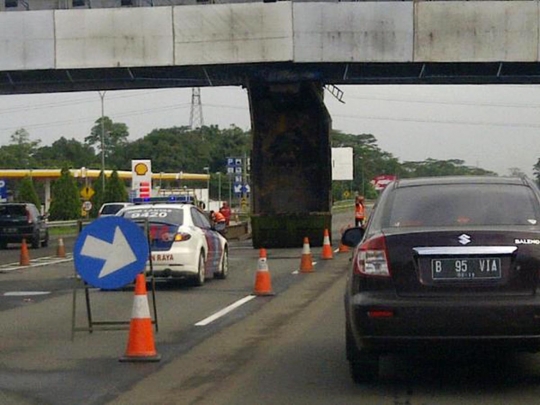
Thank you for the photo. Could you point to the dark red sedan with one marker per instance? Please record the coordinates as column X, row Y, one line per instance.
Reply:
column 444, row 261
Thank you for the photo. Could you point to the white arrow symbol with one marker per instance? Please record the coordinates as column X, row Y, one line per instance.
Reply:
column 117, row 254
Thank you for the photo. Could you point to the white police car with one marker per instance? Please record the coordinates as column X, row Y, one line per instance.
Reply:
column 183, row 242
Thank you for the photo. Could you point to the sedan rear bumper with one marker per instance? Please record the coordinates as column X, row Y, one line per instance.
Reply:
column 384, row 321
column 16, row 238
column 177, row 262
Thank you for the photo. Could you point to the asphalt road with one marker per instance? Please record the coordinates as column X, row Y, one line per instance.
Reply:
column 282, row 349
column 10, row 257
column 291, row 351
column 49, row 356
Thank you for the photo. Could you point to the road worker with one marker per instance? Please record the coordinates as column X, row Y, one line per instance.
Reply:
column 219, row 221
column 359, row 211
column 226, row 211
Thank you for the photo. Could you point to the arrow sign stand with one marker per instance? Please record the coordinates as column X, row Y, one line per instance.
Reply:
column 80, row 283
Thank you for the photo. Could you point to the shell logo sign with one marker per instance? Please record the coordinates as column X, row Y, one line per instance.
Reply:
column 141, row 185
column 141, row 169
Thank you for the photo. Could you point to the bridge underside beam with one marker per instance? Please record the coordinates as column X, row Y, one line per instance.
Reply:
column 123, row 78
column 290, row 165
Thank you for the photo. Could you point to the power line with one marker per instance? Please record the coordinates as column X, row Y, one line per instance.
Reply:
column 344, row 116
column 469, row 104
column 455, row 122
column 116, row 116
column 75, row 101
column 88, row 119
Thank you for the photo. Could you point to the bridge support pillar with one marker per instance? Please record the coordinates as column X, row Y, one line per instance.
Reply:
column 291, row 178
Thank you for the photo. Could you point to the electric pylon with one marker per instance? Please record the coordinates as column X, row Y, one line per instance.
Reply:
column 196, row 115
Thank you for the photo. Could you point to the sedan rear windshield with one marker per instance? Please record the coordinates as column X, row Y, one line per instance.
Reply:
column 111, row 209
column 161, row 215
column 463, row 204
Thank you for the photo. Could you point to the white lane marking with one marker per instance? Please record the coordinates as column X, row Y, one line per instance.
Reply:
column 18, row 267
column 25, row 293
column 225, row 310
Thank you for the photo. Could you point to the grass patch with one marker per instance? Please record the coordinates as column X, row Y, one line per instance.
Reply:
column 63, row 231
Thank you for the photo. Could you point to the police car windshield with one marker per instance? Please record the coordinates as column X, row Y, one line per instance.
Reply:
column 156, row 214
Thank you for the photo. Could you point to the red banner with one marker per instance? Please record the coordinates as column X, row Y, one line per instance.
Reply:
column 380, row 182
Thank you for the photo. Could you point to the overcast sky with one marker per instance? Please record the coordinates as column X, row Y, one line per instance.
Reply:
column 493, row 127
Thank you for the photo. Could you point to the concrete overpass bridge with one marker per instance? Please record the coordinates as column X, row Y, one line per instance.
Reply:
column 284, row 53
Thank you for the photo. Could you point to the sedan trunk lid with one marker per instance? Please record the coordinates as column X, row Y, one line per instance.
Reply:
column 457, row 262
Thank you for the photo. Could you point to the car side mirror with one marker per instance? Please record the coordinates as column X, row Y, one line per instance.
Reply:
column 352, row 236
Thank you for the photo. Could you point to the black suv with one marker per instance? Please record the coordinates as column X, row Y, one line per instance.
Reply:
column 20, row 221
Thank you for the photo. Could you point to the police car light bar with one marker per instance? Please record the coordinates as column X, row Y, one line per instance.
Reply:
column 186, row 199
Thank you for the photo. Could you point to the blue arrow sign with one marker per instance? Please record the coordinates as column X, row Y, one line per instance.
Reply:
column 110, row 252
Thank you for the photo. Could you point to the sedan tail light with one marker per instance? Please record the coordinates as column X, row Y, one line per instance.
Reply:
column 182, row 237
column 372, row 259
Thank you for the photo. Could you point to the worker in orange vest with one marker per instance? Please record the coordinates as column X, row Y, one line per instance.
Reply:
column 359, row 211
column 219, row 221
column 226, row 211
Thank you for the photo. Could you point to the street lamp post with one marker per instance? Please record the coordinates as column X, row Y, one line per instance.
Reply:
column 102, row 96
column 230, row 190
column 219, row 186
column 207, row 170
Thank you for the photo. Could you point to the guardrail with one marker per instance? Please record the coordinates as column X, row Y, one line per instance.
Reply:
column 343, row 205
column 61, row 224
column 338, row 206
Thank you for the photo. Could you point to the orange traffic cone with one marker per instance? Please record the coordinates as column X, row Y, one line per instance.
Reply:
column 263, row 284
column 25, row 256
column 306, row 263
column 326, row 248
column 61, row 250
column 140, row 345
column 343, row 248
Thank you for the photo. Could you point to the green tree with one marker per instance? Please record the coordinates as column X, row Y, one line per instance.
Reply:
column 115, row 135
column 27, row 192
column 433, row 167
column 115, row 189
column 65, row 204
column 63, row 152
column 369, row 161
column 172, row 150
column 99, row 195
column 20, row 152
column 180, row 149
column 8, row 159
column 515, row 172
column 536, row 172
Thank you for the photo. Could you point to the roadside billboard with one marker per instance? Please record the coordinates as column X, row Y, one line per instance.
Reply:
column 342, row 163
